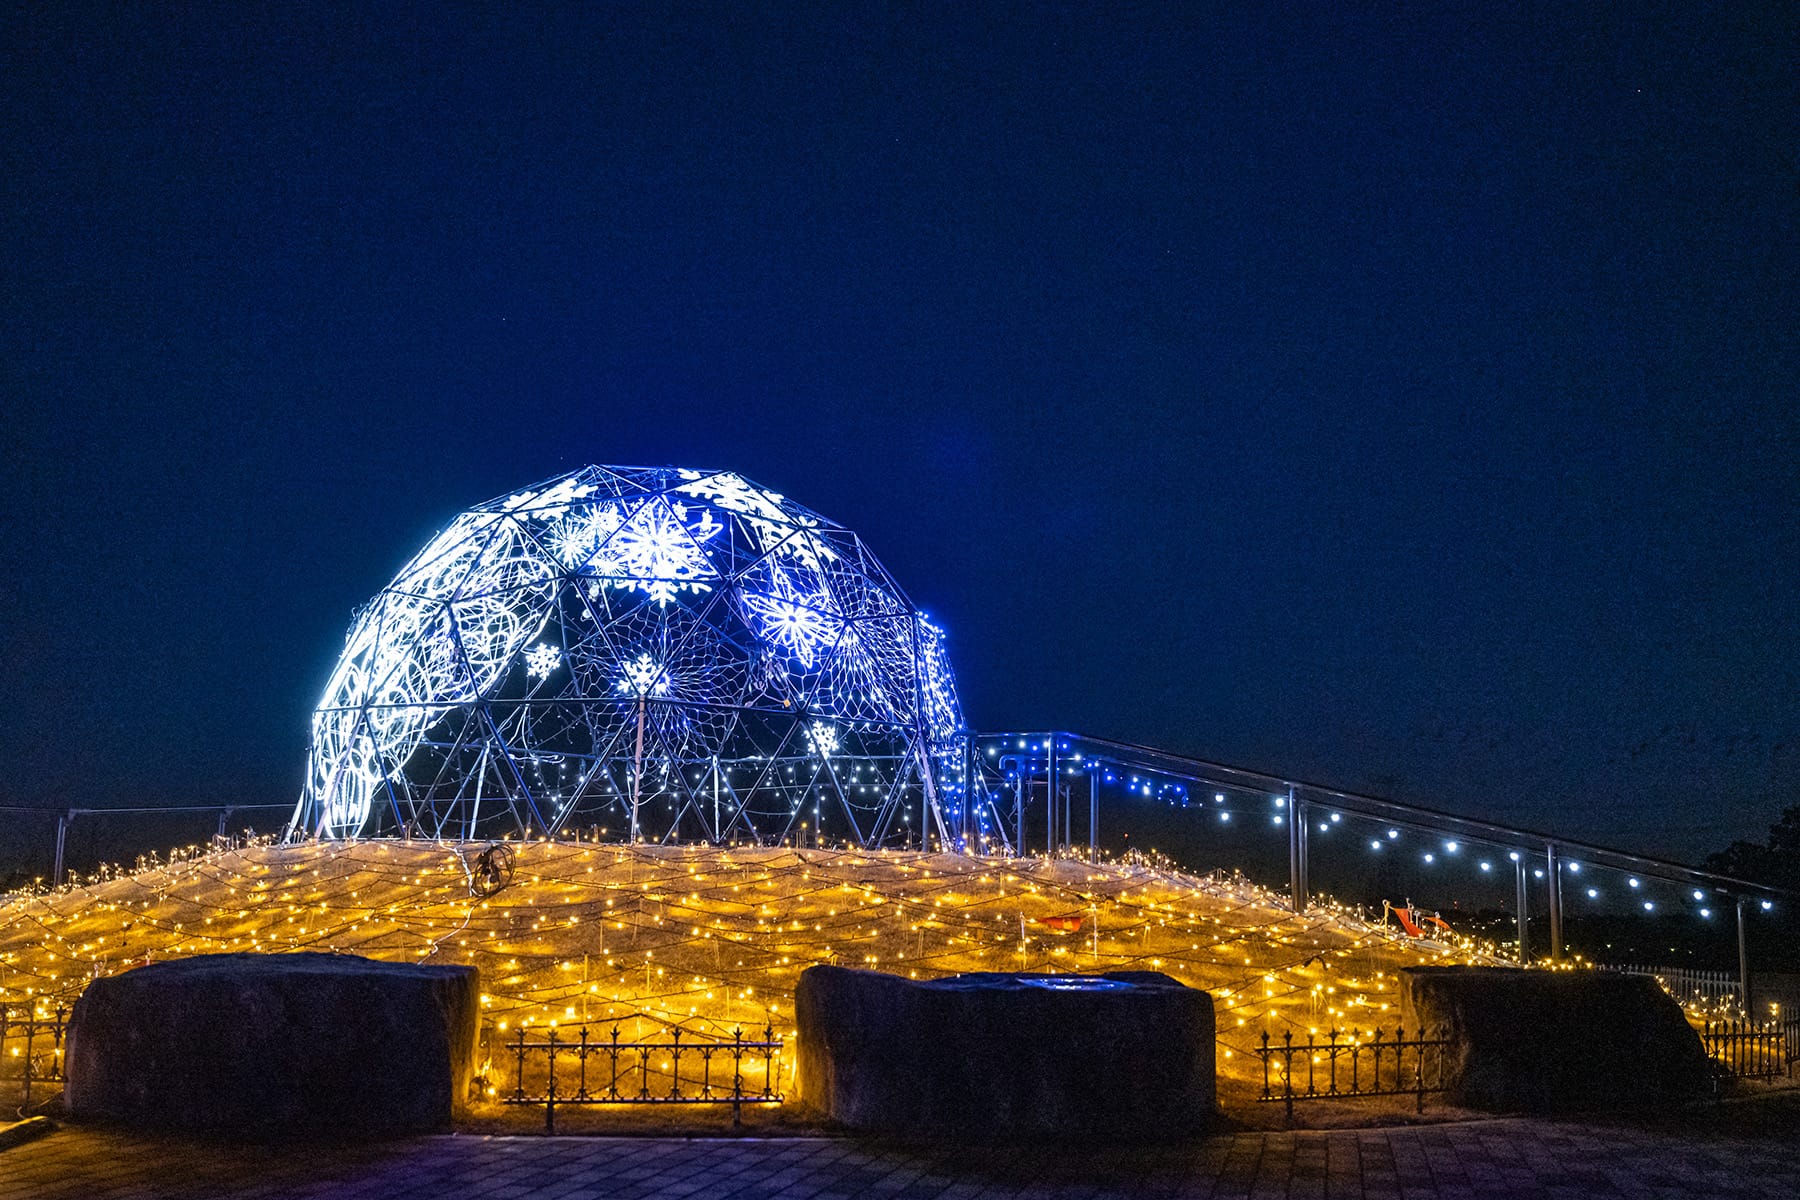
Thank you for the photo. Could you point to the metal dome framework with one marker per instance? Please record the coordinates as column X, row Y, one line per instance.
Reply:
column 647, row 652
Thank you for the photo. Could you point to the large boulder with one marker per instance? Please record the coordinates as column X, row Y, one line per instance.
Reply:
column 273, row 1043
column 1555, row 1041
column 1006, row 1055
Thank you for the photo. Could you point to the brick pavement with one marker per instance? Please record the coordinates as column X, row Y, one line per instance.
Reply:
column 1498, row 1158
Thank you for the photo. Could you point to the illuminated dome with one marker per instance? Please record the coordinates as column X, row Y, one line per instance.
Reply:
column 644, row 653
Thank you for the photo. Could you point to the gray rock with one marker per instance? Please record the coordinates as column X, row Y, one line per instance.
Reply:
column 1128, row 1054
column 275, row 1043
column 1556, row 1041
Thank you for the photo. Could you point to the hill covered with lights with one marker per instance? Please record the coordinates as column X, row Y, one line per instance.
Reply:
column 711, row 939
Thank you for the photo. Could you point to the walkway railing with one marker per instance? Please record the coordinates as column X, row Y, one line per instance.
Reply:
column 1029, row 788
column 1347, row 1066
column 65, row 820
column 31, row 1047
column 1711, row 989
column 675, row 1070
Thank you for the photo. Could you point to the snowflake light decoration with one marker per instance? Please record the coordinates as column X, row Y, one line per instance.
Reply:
column 652, row 546
column 782, row 527
column 821, row 739
column 679, row 653
column 643, row 676
column 802, row 624
column 542, row 659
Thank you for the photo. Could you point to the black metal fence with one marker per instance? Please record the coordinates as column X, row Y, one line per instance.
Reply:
column 31, row 1048
column 1345, row 1066
column 559, row 1069
column 1753, row 1050
column 684, row 1069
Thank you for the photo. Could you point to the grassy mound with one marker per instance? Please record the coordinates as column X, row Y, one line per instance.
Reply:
column 712, row 940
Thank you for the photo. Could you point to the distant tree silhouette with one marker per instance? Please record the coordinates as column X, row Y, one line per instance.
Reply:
column 1775, row 863
column 1774, row 937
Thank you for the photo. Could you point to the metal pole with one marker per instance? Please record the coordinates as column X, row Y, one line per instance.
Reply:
column 637, row 770
column 1296, row 873
column 62, row 833
column 1744, row 963
column 1094, row 813
column 1555, row 872
column 976, row 788
column 1302, row 819
column 964, row 815
column 1524, row 901
column 1019, row 808
column 924, row 797
column 1068, row 815
column 1050, row 794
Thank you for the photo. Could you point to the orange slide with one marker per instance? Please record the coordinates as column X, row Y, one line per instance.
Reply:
column 1404, row 916
column 1413, row 923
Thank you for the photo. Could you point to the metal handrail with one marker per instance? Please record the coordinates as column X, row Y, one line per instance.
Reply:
column 1423, row 818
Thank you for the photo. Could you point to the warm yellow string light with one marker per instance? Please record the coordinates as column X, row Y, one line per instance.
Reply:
column 713, row 939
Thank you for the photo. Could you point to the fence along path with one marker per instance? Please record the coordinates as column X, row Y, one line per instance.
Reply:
column 31, row 1049
column 655, row 1071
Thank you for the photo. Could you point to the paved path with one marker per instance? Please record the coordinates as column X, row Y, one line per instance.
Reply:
column 1506, row 1158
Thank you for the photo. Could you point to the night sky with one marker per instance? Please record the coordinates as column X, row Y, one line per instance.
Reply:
column 1402, row 402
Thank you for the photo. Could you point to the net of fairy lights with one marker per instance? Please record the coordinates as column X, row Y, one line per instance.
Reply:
column 711, row 940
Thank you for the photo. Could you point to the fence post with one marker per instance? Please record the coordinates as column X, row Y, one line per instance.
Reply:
column 1296, row 822
column 1419, row 1066
column 612, row 1086
column 1287, row 1072
column 519, row 1072
column 62, row 835
column 550, row 1092
column 737, row 1078
column 1094, row 812
column 1019, row 807
column 1524, row 902
column 1554, row 870
column 30, row 1035
column 1744, row 963
column 769, row 1067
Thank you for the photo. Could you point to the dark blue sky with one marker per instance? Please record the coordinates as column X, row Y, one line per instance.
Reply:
column 1404, row 401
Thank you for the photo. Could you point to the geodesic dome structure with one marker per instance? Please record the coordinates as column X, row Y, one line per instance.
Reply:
column 647, row 653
